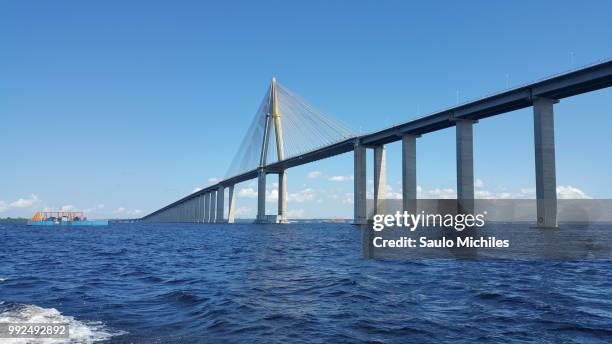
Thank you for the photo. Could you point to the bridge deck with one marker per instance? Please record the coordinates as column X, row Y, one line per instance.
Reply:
column 583, row 80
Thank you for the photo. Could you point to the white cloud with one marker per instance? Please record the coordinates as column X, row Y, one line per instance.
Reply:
column 296, row 214
column 482, row 194
column 67, row 207
column 196, row 189
column 100, row 206
column 436, row 193
column 570, row 192
column 244, row 211
column 25, row 202
column 340, row 178
column 390, row 194
column 248, row 192
column 348, row 198
column 213, row 180
column 304, row 195
column 3, row 206
column 124, row 211
column 314, row 174
column 272, row 195
column 563, row 192
column 527, row 193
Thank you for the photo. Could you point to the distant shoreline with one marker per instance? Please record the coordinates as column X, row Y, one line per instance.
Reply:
column 13, row 220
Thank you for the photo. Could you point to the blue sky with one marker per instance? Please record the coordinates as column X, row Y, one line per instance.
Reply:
column 120, row 107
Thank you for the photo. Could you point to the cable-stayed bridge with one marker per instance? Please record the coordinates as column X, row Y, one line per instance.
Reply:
column 287, row 132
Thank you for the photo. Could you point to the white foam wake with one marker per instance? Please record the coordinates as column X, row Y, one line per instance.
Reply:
column 80, row 331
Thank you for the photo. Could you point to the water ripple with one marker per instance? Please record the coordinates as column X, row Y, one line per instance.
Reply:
column 135, row 283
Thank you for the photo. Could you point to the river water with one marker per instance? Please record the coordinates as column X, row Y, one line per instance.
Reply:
column 298, row 283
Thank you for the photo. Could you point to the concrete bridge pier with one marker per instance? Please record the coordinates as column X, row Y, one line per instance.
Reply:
column 359, row 186
column 409, row 177
column 545, row 169
column 194, row 202
column 380, row 179
column 281, row 216
column 213, row 206
column 193, row 207
column 465, row 165
column 201, row 208
column 261, row 197
column 196, row 212
column 282, row 197
column 220, row 204
column 188, row 208
column 206, row 208
column 230, row 204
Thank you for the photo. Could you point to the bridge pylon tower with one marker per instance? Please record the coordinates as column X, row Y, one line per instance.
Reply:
column 273, row 121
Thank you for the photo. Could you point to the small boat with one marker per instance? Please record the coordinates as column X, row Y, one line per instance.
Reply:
column 63, row 218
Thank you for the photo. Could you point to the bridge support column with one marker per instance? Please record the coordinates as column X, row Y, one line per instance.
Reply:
column 545, row 170
column 188, row 209
column 230, row 205
column 409, row 178
column 359, row 185
column 261, row 196
column 201, row 208
column 220, row 204
column 213, row 206
column 192, row 210
column 207, row 207
column 282, row 197
column 465, row 166
column 187, row 206
column 196, row 213
column 380, row 179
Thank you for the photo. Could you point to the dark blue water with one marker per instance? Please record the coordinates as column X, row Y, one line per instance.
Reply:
column 302, row 283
